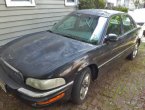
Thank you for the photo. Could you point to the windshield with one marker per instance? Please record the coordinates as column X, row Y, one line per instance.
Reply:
column 80, row 27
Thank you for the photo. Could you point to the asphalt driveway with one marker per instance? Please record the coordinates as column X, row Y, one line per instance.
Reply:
column 120, row 88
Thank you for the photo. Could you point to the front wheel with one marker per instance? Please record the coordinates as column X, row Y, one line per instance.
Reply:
column 81, row 86
column 134, row 53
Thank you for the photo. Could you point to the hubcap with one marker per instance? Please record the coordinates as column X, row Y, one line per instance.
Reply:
column 85, row 86
column 135, row 51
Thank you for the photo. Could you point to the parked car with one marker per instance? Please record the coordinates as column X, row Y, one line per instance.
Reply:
column 142, row 31
column 139, row 16
column 60, row 63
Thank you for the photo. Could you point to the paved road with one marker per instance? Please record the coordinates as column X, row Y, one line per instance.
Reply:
column 120, row 88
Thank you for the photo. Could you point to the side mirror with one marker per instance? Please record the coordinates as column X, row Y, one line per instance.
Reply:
column 144, row 33
column 112, row 38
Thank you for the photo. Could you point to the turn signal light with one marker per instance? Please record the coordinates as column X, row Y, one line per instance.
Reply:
column 51, row 100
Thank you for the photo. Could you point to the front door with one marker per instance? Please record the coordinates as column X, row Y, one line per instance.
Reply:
column 113, row 48
column 110, row 50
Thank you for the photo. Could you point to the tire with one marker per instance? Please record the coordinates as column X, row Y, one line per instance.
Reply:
column 134, row 52
column 81, row 86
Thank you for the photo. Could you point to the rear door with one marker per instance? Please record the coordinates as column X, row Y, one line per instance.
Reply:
column 130, row 31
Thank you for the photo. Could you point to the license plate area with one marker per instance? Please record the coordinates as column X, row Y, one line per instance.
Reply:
column 3, row 86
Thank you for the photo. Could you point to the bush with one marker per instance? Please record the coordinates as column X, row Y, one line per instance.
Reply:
column 119, row 8
column 89, row 4
column 100, row 4
column 86, row 4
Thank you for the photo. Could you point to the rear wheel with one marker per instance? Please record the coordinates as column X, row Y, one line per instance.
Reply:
column 134, row 53
column 81, row 86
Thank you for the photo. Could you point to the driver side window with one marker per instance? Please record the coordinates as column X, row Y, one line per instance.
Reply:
column 114, row 26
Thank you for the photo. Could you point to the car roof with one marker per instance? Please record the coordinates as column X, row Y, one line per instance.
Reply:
column 99, row 12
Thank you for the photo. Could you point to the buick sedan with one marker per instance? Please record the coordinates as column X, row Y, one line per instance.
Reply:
column 59, row 64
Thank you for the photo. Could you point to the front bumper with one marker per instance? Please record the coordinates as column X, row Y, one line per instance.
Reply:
column 32, row 96
column 44, row 94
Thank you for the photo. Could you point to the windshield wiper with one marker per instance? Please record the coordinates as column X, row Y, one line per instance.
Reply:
column 76, row 38
column 49, row 31
column 57, row 33
column 72, row 36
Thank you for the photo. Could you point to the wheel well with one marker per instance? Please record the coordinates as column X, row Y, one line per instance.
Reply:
column 94, row 71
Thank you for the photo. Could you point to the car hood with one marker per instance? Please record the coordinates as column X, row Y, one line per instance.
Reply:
column 39, row 54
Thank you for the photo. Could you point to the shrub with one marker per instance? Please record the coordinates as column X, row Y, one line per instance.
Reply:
column 100, row 4
column 89, row 4
column 119, row 8
column 86, row 4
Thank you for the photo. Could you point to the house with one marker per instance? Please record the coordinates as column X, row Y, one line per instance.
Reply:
column 111, row 2
column 125, row 3
column 131, row 4
column 21, row 17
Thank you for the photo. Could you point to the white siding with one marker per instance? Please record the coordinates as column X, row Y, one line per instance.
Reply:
column 18, row 21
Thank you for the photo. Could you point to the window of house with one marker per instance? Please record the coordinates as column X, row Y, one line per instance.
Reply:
column 71, row 2
column 20, row 3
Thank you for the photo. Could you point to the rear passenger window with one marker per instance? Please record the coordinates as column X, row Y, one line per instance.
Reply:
column 128, row 24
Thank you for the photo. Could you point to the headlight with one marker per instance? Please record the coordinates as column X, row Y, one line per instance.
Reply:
column 45, row 84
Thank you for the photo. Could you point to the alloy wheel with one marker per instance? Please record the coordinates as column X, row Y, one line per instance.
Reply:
column 85, row 86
